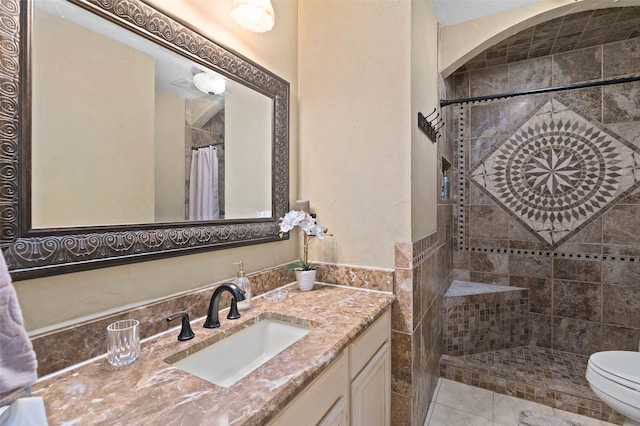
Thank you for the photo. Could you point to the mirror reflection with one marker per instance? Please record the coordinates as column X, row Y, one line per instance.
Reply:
column 125, row 131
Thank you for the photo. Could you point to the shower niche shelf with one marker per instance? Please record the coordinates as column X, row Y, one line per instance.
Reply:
column 445, row 179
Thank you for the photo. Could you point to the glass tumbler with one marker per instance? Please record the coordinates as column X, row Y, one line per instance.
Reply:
column 123, row 342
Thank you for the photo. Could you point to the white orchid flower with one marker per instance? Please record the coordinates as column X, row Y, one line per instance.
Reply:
column 311, row 229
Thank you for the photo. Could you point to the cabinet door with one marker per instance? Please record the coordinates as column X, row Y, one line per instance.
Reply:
column 314, row 403
column 371, row 391
column 338, row 415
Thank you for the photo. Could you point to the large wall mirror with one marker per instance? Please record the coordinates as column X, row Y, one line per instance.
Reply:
column 130, row 136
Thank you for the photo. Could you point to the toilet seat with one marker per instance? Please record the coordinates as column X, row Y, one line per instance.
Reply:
column 614, row 377
column 618, row 365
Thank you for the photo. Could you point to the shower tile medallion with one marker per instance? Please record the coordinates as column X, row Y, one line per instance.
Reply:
column 558, row 171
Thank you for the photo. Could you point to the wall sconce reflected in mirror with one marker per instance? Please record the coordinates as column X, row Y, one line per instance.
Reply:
column 253, row 15
column 209, row 83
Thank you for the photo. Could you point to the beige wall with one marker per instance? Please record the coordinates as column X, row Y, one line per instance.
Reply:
column 461, row 42
column 424, row 98
column 53, row 300
column 169, row 157
column 88, row 170
column 355, row 120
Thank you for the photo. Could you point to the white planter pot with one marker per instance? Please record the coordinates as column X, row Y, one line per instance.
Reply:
column 306, row 279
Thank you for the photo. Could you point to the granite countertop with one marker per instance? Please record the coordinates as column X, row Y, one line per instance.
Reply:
column 151, row 391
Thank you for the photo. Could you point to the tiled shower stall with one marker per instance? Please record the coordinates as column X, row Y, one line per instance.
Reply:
column 546, row 198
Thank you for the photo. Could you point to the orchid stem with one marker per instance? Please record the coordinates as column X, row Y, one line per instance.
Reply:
column 305, row 251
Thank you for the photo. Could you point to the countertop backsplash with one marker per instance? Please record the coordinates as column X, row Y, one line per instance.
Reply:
column 66, row 346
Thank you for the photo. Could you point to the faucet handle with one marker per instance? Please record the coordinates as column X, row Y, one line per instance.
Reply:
column 185, row 331
column 233, row 310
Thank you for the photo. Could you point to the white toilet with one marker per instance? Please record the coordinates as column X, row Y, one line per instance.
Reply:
column 615, row 377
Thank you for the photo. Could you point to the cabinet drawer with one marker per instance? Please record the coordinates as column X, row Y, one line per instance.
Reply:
column 368, row 344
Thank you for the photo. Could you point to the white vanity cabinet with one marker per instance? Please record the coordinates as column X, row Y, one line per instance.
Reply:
column 370, row 374
column 354, row 390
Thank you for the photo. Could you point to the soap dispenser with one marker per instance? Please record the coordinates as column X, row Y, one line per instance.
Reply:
column 244, row 284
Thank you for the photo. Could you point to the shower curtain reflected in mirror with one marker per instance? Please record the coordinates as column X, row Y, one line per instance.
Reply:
column 203, row 184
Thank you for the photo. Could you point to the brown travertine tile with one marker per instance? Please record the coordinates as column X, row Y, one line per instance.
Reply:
column 577, row 300
column 540, row 330
column 616, row 338
column 588, row 100
column 576, row 336
column 621, row 58
column 621, row 273
column 620, row 225
column 445, row 221
column 580, row 270
column 479, row 148
column 530, row 266
column 629, row 131
column 521, row 109
column 489, row 81
column 462, row 274
column 580, row 248
column 488, row 120
column 517, row 232
column 539, row 292
column 401, row 363
column 529, row 245
column 421, row 337
column 402, row 308
column 147, row 391
column 488, row 278
column 427, row 274
column 621, row 305
column 497, row 263
column 618, row 252
column 400, row 410
column 530, row 74
column 403, row 255
column 634, row 197
column 461, row 259
column 488, row 222
column 578, row 66
column 621, row 103
column 475, row 195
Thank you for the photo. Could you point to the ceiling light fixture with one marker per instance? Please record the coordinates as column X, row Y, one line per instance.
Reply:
column 209, row 83
column 253, row 15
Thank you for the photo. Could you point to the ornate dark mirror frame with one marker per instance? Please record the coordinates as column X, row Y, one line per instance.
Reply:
column 32, row 253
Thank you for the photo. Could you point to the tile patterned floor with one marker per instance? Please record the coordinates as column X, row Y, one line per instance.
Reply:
column 541, row 375
column 536, row 366
column 457, row 404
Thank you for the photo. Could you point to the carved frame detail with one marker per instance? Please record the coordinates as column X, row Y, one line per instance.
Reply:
column 33, row 253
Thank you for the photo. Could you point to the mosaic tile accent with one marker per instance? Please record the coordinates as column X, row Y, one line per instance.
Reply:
column 485, row 321
column 558, row 171
column 542, row 375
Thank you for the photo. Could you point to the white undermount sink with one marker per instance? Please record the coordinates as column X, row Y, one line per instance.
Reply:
column 233, row 357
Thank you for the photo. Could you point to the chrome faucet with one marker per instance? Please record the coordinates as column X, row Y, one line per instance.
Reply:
column 212, row 320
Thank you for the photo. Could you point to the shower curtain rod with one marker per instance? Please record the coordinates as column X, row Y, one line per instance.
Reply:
column 445, row 102
column 195, row 148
